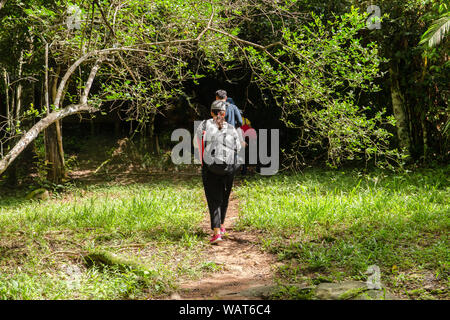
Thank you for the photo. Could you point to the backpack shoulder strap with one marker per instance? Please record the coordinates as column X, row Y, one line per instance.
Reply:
column 204, row 123
column 201, row 141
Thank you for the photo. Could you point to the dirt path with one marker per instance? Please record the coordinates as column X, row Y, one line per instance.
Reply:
column 245, row 268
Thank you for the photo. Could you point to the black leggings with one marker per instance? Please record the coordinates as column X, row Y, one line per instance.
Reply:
column 217, row 191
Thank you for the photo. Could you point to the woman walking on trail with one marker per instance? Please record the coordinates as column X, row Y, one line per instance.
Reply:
column 218, row 143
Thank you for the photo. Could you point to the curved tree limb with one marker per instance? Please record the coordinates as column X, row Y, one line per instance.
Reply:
column 38, row 127
column 53, row 117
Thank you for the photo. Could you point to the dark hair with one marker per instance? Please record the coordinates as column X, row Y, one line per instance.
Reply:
column 220, row 119
column 221, row 94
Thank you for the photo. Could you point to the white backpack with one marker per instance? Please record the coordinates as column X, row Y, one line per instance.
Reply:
column 221, row 148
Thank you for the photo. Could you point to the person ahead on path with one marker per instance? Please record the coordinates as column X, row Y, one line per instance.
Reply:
column 232, row 114
column 219, row 145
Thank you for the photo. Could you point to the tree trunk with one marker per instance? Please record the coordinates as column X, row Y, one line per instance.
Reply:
column 12, row 180
column 12, row 106
column 399, row 109
column 54, row 152
column 157, row 148
column 8, row 106
column 55, row 165
column 151, row 129
column 19, row 88
column 425, row 139
column 143, row 140
column 17, row 105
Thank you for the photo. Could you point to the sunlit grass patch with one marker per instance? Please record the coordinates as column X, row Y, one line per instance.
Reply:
column 329, row 222
column 43, row 242
column 168, row 209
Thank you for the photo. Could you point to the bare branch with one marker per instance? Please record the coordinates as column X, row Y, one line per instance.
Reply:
column 208, row 26
column 104, row 18
column 93, row 53
column 46, row 92
column 90, row 80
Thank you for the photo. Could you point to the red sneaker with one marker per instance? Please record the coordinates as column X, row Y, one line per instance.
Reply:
column 223, row 232
column 215, row 239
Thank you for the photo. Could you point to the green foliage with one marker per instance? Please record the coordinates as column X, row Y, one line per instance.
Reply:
column 421, row 72
column 437, row 31
column 323, row 68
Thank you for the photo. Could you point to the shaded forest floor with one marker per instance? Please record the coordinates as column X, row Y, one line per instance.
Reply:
column 286, row 232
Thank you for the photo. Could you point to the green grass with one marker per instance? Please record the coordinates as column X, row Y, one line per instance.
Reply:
column 156, row 223
column 161, row 207
column 336, row 224
column 322, row 225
